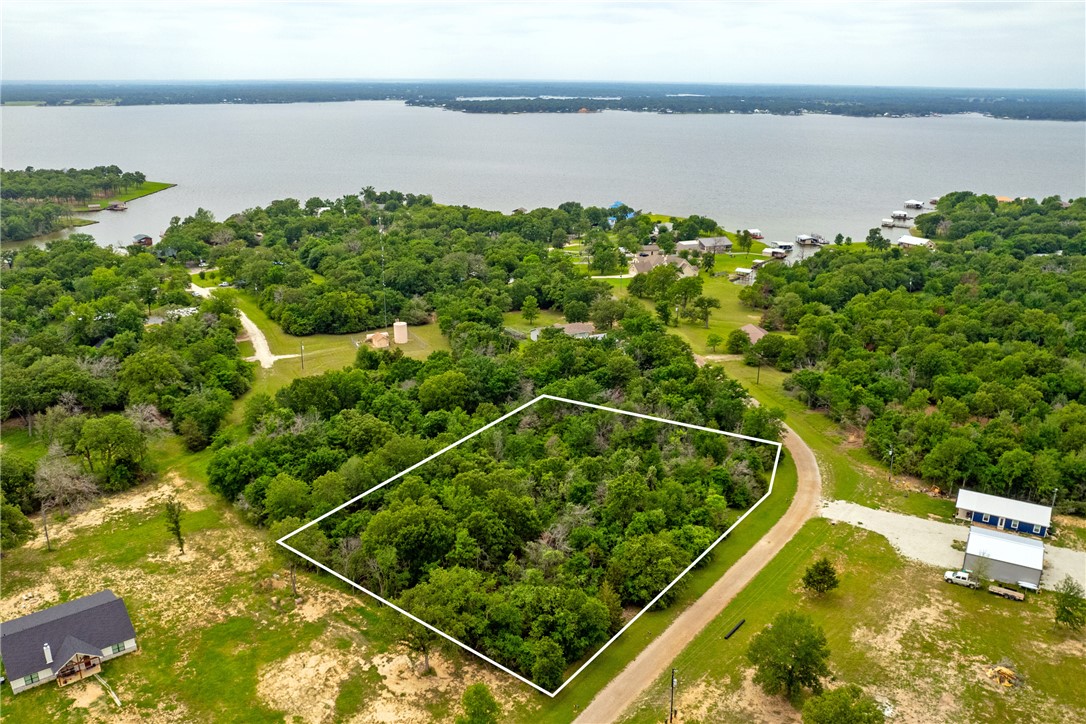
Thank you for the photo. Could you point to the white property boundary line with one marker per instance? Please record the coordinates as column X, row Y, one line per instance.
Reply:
column 650, row 604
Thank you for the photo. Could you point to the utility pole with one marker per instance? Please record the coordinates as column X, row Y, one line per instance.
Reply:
column 1054, row 492
column 891, row 478
column 303, row 357
column 671, row 711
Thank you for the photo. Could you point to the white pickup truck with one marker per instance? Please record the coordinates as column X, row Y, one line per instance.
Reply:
column 962, row 578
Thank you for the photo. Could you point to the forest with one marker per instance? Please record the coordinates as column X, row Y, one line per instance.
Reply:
column 87, row 369
column 362, row 261
column 571, row 97
column 536, row 540
column 33, row 200
column 966, row 365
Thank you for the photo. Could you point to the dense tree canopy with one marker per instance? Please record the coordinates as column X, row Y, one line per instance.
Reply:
column 526, row 541
column 968, row 362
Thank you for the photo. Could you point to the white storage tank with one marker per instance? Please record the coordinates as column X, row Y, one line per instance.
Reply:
column 399, row 332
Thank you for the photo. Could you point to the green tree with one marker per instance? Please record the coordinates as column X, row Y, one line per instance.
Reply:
column 713, row 341
column 445, row 391
column 529, row 309
column 738, row 342
column 1070, row 604
column 15, row 529
column 197, row 416
column 480, row 706
column 286, row 497
column 549, row 665
column 116, row 445
column 789, row 655
column 173, row 510
column 746, row 241
column 876, row 240
column 576, row 311
column 821, row 576
column 843, row 705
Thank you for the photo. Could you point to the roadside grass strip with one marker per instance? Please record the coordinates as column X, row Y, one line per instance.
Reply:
column 519, row 410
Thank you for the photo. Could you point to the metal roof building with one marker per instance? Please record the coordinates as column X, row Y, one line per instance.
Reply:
column 1004, row 557
column 1004, row 513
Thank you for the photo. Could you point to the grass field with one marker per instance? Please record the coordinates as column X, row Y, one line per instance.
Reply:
column 145, row 189
column 894, row 628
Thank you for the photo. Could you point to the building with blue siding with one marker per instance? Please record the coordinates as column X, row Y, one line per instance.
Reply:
column 1015, row 516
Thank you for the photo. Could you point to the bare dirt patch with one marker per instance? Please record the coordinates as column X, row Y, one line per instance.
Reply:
column 931, row 618
column 85, row 693
column 116, row 506
column 305, row 684
column 29, row 601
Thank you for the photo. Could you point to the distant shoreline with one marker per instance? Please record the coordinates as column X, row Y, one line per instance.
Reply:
column 519, row 98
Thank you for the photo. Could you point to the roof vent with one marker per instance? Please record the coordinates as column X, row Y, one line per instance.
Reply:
column 48, row 654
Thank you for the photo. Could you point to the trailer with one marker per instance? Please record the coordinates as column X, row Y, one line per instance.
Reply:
column 1007, row 593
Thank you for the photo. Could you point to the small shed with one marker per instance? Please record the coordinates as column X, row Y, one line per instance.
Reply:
column 377, row 340
column 1004, row 557
column 142, row 240
column 1004, row 513
column 754, row 332
column 67, row 642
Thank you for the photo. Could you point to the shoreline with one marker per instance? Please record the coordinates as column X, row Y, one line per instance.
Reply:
column 147, row 188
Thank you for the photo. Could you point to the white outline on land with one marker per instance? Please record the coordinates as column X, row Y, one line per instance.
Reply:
column 506, row 416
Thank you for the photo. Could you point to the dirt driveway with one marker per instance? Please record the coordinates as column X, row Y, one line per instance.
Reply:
column 658, row 655
column 261, row 350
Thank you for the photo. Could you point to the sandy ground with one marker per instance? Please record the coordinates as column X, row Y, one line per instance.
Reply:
column 262, row 351
column 658, row 655
column 931, row 541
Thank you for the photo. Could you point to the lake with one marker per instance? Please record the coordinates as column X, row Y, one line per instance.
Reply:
column 784, row 175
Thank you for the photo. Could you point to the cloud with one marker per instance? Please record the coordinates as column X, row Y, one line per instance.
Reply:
column 963, row 44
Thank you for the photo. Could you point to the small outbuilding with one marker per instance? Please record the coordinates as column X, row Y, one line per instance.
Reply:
column 67, row 642
column 377, row 340
column 754, row 332
column 1004, row 513
column 1004, row 557
column 142, row 240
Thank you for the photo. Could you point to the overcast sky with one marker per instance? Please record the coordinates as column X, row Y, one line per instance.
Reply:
column 976, row 44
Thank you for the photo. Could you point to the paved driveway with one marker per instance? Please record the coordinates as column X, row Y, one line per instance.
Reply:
column 930, row 541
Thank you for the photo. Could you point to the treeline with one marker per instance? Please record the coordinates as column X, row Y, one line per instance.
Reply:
column 968, row 364
column 571, row 97
column 359, row 263
column 34, row 200
column 83, row 369
column 528, row 541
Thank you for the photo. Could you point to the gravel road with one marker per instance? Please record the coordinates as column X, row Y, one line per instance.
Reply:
column 658, row 655
column 930, row 541
column 261, row 350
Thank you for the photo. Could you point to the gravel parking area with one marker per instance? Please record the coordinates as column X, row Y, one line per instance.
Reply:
column 931, row 541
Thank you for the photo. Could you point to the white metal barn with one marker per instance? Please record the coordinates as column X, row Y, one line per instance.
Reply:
column 1004, row 557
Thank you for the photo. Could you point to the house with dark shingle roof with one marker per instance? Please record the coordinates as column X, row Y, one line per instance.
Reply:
column 67, row 642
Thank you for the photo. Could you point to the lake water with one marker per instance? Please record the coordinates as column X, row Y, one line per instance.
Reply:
column 783, row 175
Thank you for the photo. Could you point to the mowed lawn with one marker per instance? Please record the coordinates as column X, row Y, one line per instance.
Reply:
column 894, row 628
